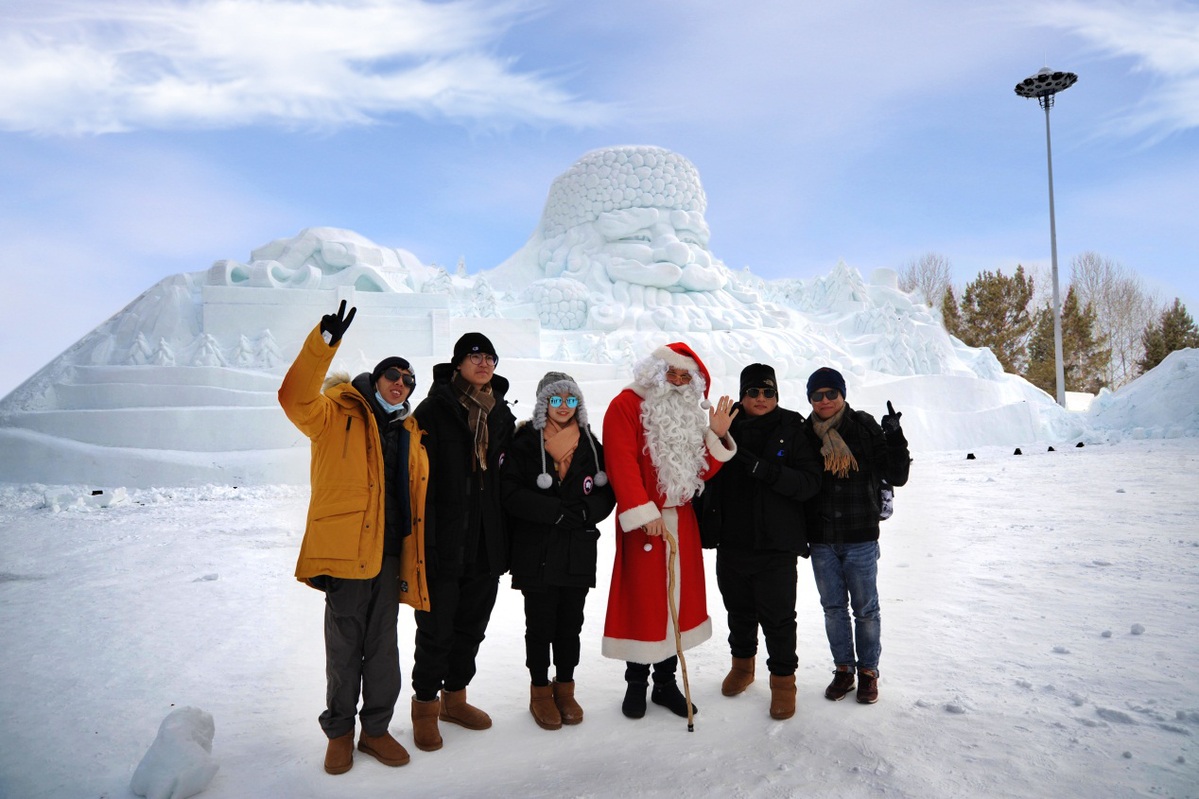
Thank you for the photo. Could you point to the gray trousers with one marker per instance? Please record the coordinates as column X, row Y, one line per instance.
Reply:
column 361, row 651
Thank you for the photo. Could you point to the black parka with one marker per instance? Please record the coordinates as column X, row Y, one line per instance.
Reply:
column 755, row 503
column 464, row 511
column 553, row 530
column 846, row 509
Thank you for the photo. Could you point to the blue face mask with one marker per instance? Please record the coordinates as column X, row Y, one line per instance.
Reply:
column 387, row 406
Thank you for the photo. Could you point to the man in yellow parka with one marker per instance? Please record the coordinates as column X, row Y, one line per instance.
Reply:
column 364, row 540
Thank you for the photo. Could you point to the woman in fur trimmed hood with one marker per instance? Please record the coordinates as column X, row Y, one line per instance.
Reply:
column 555, row 491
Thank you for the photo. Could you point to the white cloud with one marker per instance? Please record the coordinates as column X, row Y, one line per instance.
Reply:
column 1161, row 38
column 77, row 67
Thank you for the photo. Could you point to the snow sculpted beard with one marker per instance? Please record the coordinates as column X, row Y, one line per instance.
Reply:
column 674, row 437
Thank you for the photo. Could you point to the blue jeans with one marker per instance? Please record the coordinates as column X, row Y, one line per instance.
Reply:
column 846, row 575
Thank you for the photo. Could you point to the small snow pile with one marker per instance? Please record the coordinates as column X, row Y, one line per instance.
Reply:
column 1159, row 404
column 84, row 499
column 179, row 763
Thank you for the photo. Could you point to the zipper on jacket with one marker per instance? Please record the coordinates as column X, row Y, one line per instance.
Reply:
column 345, row 444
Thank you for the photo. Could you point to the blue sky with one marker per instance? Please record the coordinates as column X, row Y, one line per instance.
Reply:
column 141, row 138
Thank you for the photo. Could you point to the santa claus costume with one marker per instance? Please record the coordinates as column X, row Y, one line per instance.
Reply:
column 658, row 450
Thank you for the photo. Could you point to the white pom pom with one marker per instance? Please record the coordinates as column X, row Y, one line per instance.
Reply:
column 705, row 404
column 648, row 547
column 544, row 480
column 601, row 478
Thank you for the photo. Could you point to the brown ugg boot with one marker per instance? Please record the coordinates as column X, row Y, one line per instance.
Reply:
column 564, row 698
column 384, row 748
column 339, row 755
column 739, row 676
column 782, row 696
column 455, row 709
column 424, row 724
column 542, row 706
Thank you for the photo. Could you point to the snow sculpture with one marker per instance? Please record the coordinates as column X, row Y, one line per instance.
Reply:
column 179, row 763
column 627, row 223
column 320, row 258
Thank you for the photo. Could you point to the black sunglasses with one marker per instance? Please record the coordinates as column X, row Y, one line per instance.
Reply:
column 768, row 393
column 828, row 394
column 393, row 374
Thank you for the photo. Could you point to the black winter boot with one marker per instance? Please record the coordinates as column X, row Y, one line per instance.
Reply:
column 666, row 690
column 637, row 677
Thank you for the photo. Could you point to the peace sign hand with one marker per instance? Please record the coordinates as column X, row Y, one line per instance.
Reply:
column 334, row 326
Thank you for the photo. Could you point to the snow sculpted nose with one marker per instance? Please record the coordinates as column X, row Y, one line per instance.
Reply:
column 676, row 252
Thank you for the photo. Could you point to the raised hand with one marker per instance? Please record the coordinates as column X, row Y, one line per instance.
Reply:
column 334, row 326
column 722, row 415
column 890, row 422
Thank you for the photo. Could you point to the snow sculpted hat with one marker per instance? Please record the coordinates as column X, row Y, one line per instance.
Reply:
column 680, row 356
column 470, row 343
column 757, row 375
column 560, row 383
column 826, row 377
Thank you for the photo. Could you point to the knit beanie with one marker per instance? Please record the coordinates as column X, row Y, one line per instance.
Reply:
column 826, row 377
column 385, row 364
column 560, row 383
column 469, row 344
column 757, row 375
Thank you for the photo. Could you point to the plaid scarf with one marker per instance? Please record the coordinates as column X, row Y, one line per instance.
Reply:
column 478, row 403
column 837, row 457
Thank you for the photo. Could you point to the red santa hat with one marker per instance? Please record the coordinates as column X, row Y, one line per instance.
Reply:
column 680, row 356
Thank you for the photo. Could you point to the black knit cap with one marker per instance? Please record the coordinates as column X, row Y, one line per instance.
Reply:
column 385, row 364
column 826, row 377
column 469, row 344
column 758, row 375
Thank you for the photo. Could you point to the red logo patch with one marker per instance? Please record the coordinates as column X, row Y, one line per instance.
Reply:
column 588, row 484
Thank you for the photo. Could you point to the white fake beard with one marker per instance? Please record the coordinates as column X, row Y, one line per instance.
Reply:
column 674, row 437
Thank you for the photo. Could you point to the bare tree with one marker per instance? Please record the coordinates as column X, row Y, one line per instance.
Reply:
column 927, row 277
column 1123, row 308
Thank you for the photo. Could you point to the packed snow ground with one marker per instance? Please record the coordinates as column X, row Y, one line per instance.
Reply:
column 1039, row 640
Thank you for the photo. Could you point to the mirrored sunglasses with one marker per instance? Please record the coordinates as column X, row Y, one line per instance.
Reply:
column 571, row 402
column 480, row 358
column 768, row 393
column 828, row 394
column 393, row 374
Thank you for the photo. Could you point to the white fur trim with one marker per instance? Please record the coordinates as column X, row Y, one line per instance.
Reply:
column 633, row 518
column 722, row 449
column 654, row 651
column 674, row 359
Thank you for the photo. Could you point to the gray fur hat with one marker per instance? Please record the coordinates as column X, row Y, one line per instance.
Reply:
column 560, row 383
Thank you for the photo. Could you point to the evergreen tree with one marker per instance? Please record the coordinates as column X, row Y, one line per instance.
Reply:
column 1174, row 330
column 995, row 313
column 1084, row 354
column 951, row 317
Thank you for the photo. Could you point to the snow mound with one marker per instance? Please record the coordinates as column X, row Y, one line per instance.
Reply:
column 1162, row 403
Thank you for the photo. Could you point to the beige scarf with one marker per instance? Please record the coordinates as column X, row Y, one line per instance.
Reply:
column 837, row 457
column 561, row 443
column 478, row 403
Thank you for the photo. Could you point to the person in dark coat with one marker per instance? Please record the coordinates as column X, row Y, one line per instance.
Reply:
column 859, row 455
column 555, row 493
column 469, row 427
column 752, row 511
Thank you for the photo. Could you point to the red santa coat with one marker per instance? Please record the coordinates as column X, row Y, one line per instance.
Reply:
column 638, row 626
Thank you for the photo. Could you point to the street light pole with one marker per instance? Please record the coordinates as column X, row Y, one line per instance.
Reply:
column 1043, row 86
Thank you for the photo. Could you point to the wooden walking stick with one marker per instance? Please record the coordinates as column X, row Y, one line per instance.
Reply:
column 673, row 544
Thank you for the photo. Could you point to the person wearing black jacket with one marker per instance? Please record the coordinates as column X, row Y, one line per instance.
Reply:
column 859, row 455
column 752, row 512
column 555, row 493
column 469, row 427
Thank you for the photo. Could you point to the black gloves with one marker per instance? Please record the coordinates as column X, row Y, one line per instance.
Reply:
column 890, row 422
column 333, row 326
column 766, row 471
